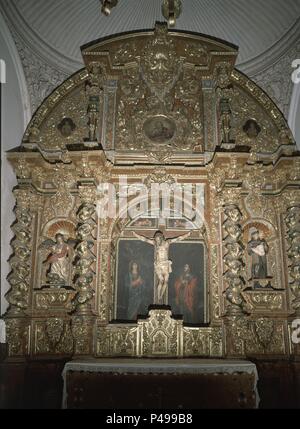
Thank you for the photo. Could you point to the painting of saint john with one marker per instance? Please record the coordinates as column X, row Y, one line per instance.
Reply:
column 187, row 282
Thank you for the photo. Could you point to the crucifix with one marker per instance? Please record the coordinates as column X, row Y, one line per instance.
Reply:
column 162, row 264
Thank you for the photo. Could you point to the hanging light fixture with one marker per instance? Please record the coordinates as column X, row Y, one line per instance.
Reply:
column 171, row 9
column 107, row 6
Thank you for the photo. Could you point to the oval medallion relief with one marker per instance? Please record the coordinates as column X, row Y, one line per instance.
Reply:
column 159, row 129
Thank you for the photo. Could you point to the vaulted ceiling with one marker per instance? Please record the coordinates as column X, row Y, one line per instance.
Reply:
column 62, row 26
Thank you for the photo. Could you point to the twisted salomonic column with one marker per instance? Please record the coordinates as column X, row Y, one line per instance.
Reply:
column 16, row 319
column 233, row 259
column 293, row 238
column 83, row 317
column 84, row 259
column 20, row 262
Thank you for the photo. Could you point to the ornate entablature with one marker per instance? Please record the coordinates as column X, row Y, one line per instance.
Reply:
column 97, row 271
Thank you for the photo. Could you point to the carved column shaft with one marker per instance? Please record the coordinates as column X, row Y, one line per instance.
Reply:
column 17, row 322
column 106, row 252
column 233, row 259
column 20, row 262
column 83, row 319
column 84, row 259
column 210, row 114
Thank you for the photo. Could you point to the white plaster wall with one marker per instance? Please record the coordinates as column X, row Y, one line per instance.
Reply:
column 297, row 124
column 15, row 112
column 294, row 114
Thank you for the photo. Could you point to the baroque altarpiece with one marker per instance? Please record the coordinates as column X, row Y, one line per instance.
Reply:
column 155, row 107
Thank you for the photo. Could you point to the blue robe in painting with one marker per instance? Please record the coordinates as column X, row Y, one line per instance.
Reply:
column 136, row 293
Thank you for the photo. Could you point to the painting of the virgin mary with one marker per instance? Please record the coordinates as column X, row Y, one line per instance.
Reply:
column 135, row 279
column 135, row 285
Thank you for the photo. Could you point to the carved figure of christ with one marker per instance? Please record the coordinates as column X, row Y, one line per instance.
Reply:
column 162, row 264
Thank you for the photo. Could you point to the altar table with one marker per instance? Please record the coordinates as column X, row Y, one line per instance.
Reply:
column 160, row 384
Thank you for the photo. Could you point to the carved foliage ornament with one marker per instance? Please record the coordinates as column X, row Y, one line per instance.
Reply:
column 17, row 337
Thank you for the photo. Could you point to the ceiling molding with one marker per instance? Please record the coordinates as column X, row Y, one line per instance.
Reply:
column 35, row 43
column 272, row 55
column 276, row 80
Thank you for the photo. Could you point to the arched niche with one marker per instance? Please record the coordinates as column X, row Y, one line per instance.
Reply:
column 128, row 249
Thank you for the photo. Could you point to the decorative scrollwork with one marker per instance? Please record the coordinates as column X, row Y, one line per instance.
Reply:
column 17, row 337
column 82, row 333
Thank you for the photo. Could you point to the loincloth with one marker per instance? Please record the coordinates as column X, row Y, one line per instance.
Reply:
column 163, row 267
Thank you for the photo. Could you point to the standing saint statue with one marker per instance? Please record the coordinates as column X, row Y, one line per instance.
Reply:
column 226, row 119
column 162, row 264
column 258, row 249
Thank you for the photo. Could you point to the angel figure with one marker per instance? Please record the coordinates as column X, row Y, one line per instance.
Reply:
column 59, row 260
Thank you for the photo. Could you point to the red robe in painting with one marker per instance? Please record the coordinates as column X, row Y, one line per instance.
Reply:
column 185, row 296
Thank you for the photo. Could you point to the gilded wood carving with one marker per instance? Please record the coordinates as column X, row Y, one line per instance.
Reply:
column 156, row 108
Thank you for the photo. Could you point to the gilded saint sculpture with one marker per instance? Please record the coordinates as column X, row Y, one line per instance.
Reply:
column 258, row 250
column 58, row 261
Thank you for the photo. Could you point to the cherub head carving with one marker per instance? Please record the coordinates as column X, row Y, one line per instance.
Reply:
column 66, row 127
column 251, row 128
